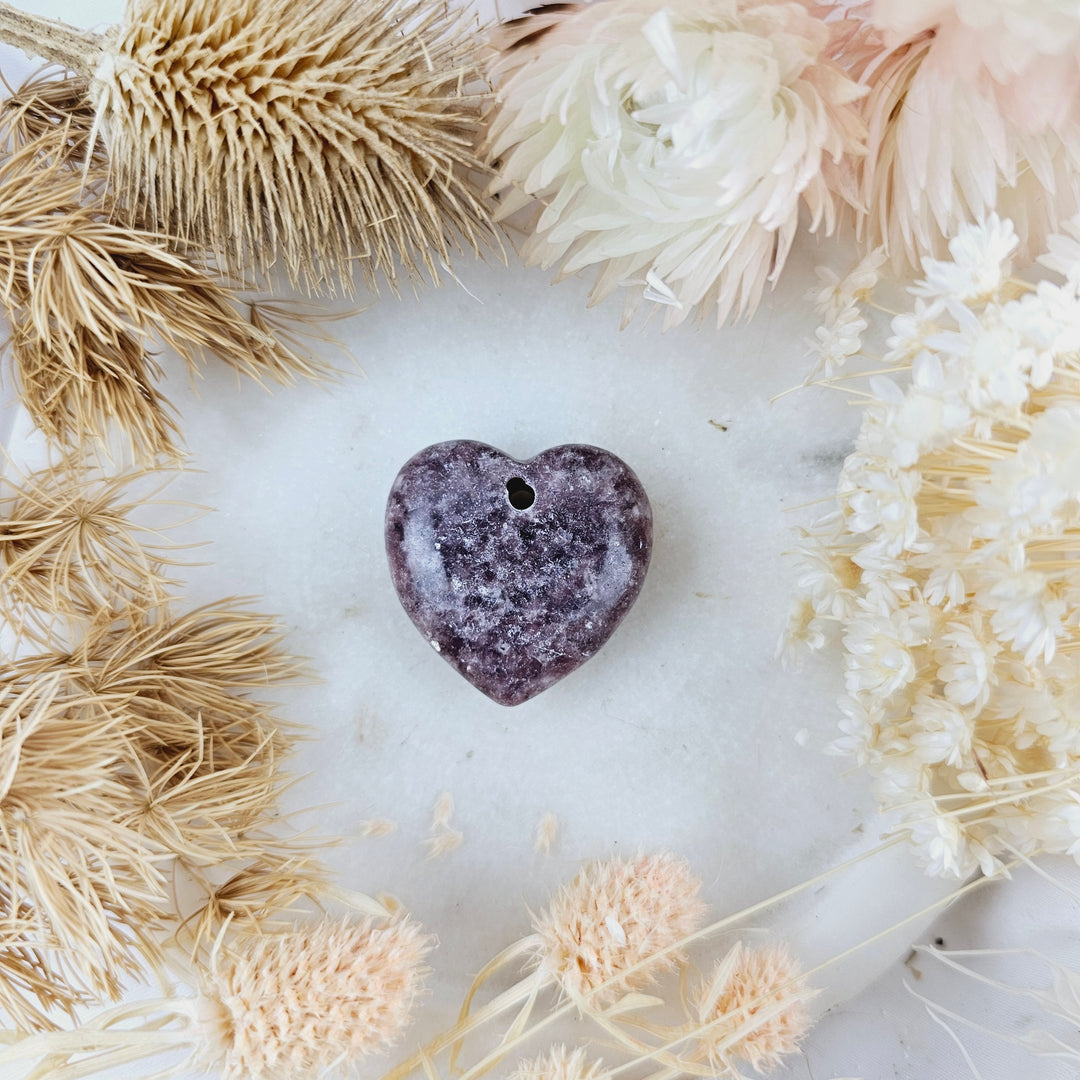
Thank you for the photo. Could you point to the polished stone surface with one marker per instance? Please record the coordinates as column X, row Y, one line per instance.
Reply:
column 516, row 572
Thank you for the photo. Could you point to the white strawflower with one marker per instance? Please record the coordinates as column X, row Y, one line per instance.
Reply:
column 670, row 144
column 957, row 522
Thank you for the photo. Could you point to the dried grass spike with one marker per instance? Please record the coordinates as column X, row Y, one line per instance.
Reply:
column 298, row 1003
column 614, row 916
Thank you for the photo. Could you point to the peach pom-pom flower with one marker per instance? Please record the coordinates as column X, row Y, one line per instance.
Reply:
column 753, row 1009
column 273, row 1005
column 297, row 1004
column 670, row 145
column 599, row 932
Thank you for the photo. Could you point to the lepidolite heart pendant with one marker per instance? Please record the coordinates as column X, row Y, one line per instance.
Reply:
column 517, row 572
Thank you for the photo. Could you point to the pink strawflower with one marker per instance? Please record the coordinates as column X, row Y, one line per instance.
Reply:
column 971, row 108
column 614, row 916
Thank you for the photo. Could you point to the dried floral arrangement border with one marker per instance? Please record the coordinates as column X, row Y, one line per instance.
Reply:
column 117, row 665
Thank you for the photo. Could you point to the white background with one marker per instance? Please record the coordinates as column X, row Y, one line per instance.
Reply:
column 682, row 733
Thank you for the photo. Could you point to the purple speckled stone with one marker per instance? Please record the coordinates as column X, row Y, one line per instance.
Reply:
column 516, row 598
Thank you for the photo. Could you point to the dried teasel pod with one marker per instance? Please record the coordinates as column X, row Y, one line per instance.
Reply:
column 331, row 135
column 86, row 297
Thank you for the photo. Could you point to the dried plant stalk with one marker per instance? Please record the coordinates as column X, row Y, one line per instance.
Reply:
column 70, row 554
column 85, row 297
column 331, row 136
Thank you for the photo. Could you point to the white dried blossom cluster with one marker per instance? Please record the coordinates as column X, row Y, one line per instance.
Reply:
column 950, row 568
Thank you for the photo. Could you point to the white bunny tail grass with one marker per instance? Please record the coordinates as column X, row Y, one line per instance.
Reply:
column 307, row 1001
column 329, row 135
column 86, row 299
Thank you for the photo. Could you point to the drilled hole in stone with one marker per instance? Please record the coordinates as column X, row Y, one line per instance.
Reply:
column 519, row 493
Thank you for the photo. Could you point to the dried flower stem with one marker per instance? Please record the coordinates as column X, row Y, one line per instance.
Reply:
column 52, row 40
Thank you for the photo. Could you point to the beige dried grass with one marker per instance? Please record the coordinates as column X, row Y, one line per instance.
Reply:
column 87, row 298
column 132, row 754
column 70, row 553
column 333, row 137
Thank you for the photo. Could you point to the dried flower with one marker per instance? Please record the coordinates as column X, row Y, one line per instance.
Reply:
column 83, row 895
column 971, row 108
column 950, row 564
column 326, row 136
column 69, row 549
column 558, row 1063
column 754, row 1006
column 604, row 926
column 85, row 297
column 303, row 1001
column 124, row 752
column 298, row 1003
column 670, row 146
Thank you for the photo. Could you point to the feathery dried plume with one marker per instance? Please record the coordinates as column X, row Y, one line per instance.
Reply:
column 559, row 1063
column 69, row 551
column 547, row 831
column 331, row 136
column 85, row 297
column 305, row 1001
column 752, row 1009
column 671, row 146
column 612, row 917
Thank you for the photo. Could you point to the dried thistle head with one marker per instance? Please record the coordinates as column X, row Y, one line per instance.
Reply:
column 755, row 1009
column 558, row 1063
column 68, row 549
column 325, row 134
column 86, row 298
column 299, row 1002
column 614, row 916
column 210, row 759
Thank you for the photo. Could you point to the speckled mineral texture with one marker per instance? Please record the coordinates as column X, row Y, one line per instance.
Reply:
column 517, row 572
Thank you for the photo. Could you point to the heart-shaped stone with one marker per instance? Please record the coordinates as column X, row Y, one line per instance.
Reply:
column 517, row 572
